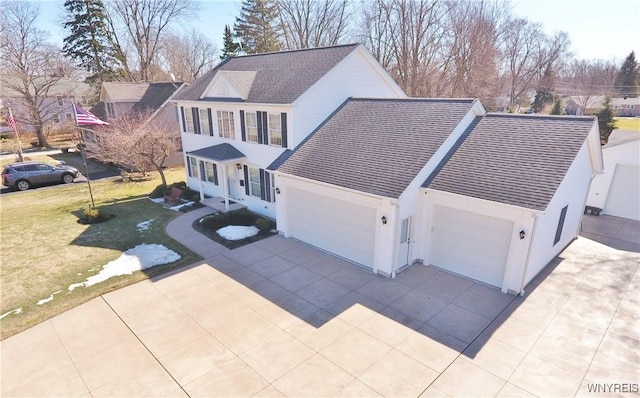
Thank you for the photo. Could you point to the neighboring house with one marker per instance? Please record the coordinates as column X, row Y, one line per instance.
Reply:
column 119, row 99
column 386, row 183
column 582, row 104
column 617, row 191
column 246, row 113
column 626, row 107
column 56, row 108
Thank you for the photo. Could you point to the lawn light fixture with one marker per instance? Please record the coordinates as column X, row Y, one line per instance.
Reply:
column 238, row 166
column 522, row 234
column 384, row 219
column 278, row 191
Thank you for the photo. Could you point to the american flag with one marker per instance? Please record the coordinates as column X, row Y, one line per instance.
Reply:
column 11, row 122
column 86, row 118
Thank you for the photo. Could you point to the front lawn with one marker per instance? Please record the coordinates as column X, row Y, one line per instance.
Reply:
column 210, row 225
column 628, row 123
column 45, row 250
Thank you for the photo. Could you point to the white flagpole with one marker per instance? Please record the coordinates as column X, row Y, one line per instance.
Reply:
column 15, row 129
column 84, row 157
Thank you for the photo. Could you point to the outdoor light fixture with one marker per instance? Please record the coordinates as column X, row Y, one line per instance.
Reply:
column 522, row 234
column 278, row 191
column 384, row 219
column 238, row 166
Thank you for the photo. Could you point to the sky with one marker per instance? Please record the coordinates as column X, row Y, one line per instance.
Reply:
column 602, row 29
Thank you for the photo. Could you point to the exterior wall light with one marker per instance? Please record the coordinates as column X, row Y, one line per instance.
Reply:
column 238, row 166
column 384, row 219
column 522, row 234
column 278, row 191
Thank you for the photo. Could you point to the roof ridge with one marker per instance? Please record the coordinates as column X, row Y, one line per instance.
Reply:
column 539, row 117
column 415, row 99
column 293, row 51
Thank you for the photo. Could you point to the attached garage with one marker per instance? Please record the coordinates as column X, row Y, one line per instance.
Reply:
column 623, row 199
column 470, row 244
column 340, row 227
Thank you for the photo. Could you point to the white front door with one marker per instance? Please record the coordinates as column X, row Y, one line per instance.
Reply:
column 232, row 181
column 405, row 241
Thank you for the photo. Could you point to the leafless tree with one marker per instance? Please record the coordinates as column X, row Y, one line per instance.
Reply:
column 189, row 55
column 585, row 80
column 31, row 66
column 313, row 23
column 141, row 24
column 138, row 142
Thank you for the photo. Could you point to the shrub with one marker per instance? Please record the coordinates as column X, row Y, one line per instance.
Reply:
column 264, row 224
column 158, row 191
column 94, row 215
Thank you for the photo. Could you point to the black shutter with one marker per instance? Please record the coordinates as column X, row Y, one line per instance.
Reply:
column 563, row 214
column 243, row 129
column 196, row 120
column 246, row 180
column 283, row 124
column 263, row 195
column 189, row 166
column 184, row 123
column 215, row 173
column 210, row 122
column 267, row 186
column 203, row 174
column 259, row 122
column 265, row 128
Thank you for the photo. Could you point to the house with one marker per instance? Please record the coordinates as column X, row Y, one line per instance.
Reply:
column 386, row 183
column 251, row 111
column 626, row 107
column 617, row 190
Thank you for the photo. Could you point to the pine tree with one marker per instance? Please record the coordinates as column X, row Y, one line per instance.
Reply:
column 544, row 93
column 606, row 121
column 627, row 78
column 88, row 41
column 230, row 47
column 257, row 27
column 557, row 106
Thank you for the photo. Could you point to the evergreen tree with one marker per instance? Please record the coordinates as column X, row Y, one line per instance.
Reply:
column 557, row 106
column 230, row 47
column 627, row 78
column 606, row 121
column 257, row 27
column 544, row 93
column 88, row 42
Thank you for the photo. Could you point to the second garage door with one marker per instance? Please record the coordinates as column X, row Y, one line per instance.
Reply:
column 337, row 226
column 470, row 244
column 623, row 199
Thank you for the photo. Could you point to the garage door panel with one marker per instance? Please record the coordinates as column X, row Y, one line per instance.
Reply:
column 337, row 226
column 470, row 244
column 623, row 199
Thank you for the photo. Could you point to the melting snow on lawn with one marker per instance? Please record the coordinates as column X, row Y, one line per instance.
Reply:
column 50, row 298
column 16, row 311
column 145, row 225
column 178, row 207
column 237, row 232
column 138, row 258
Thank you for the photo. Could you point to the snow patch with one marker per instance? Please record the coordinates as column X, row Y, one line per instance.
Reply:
column 46, row 300
column 157, row 200
column 16, row 311
column 237, row 232
column 145, row 225
column 135, row 259
column 178, row 207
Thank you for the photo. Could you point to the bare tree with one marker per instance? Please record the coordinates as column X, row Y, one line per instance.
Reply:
column 586, row 80
column 313, row 23
column 138, row 142
column 142, row 24
column 31, row 66
column 189, row 55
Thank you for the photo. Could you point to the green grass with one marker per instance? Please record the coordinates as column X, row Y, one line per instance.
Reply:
column 210, row 224
column 45, row 249
column 628, row 123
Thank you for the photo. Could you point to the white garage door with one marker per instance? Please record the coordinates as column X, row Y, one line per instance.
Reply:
column 340, row 227
column 623, row 199
column 470, row 244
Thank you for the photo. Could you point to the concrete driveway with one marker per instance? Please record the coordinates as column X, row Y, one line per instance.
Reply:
column 278, row 318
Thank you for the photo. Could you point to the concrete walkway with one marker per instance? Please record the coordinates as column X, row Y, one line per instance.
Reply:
column 278, row 318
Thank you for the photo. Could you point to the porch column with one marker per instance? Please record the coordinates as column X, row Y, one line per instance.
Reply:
column 225, row 188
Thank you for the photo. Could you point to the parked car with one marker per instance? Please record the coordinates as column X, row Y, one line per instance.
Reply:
column 24, row 175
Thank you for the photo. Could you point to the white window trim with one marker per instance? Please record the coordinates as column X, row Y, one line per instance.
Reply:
column 269, row 129
column 246, row 125
column 204, row 122
column 188, row 121
column 232, row 130
column 252, row 183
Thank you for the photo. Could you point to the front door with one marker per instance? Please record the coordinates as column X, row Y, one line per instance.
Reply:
column 232, row 181
column 405, row 240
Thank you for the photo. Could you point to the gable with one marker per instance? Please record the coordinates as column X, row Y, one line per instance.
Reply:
column 230, row 84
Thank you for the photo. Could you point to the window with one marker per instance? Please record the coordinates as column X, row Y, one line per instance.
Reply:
column 563, row 214
column 210, row 173
column 188, row 120
column 226, row 125
column 404, row 231
column 273, row 187
column 275, row 129
column 60, row 100
column 204, row 122
column 69, row 116
column 254, row 182
column 56, row 118
column 251, row 123
column 110, row 110
column 193, row 167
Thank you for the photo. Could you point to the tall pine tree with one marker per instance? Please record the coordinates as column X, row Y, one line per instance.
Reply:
column 544, row 93
column 556, row 109
column 230, row 47
column 88, row 42
column 257, row 27
column 606, row 121
column 626, row 83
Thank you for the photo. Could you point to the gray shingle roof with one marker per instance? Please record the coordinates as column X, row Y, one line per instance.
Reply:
column 376, row 146
column 220, row 152
column 155, row 95
column 280, row 78
column 514, row 159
